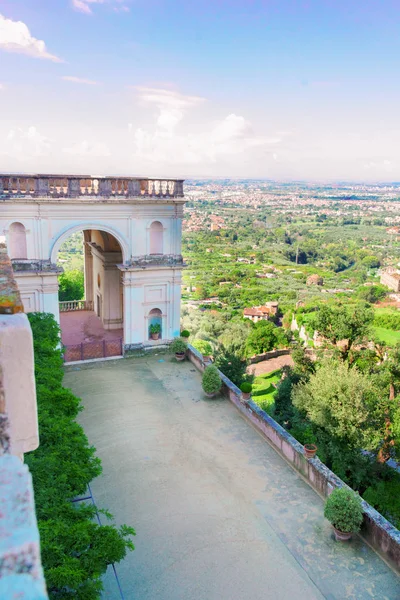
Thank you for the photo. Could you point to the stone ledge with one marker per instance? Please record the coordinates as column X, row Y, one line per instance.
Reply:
column 376, row 530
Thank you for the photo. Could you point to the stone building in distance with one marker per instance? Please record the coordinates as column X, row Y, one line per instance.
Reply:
column 391, row 278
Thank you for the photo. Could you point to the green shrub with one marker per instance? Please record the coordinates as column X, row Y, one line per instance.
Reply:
column 178, row 346
column 155, row 328
column 204, row 347
column 232, row 366
column 343, row 509
column 185, row 333
column 75, row 549
column 211, row 381
column 246, row 387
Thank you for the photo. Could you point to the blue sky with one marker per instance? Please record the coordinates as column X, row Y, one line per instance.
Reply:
column 281, row 89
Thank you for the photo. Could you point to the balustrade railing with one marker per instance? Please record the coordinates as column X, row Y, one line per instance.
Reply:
column 70, row 305
column 70, row 186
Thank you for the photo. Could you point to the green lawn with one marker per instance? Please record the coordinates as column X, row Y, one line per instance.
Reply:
column 387, row 335
column 264, row 390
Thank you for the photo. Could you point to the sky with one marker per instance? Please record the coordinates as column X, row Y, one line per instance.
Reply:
column 276, row 89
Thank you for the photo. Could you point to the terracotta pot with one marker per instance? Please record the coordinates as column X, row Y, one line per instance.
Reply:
column 210, row 395
column 155, row 336
column 310, row 450
column 180, row 356
column 341, row 536
column 246, row 396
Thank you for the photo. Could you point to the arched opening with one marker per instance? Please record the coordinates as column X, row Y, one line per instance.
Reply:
column 155, row 324
column 91, row 295
column 156, row 238
column 17, row 241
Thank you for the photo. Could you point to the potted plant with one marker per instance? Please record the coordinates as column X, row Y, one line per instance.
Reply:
column 179, row 348
column 185, row 334
column 155, row 331
column 246, row 388
column 205, row 348
column 343, row 509
column 211, row 381
column 310, row 450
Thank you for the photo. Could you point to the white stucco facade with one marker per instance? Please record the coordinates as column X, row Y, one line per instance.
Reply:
column 125, row 280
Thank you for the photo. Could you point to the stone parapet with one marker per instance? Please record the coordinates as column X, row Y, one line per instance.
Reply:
column 10, row 300
column 15, row 186
column 35, row 265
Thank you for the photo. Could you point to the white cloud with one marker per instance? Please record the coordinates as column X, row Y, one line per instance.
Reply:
column 84, row 148
column 25, row 144
column 79, row 80
column 2, row 86
column 84, row 6
column 166, row 142
column 16, row 37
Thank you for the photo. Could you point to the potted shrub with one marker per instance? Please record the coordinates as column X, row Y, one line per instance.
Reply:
column 211, row 381
column 344, row 510
column 155, row 331
column 185, row 334
column 179, row 348
column 205, row 348
column 246, row 390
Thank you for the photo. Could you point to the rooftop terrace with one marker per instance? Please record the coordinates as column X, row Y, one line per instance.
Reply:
column 218, row 513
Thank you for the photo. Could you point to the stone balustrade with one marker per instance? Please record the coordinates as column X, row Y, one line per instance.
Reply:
column 72, row 305
column 13, row 186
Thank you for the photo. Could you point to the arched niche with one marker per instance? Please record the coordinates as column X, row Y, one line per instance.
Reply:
column 155, row 318
column 17, row 241
column 156, row 238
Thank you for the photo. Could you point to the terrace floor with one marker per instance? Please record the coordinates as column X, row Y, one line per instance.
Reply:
column 85, row 326
column 219, row 515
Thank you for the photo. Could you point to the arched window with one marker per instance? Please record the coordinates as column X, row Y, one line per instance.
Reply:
column 17, row 241
column 155, row 324
column 156, row 238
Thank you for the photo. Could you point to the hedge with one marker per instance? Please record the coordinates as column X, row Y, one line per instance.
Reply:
column 75, row 549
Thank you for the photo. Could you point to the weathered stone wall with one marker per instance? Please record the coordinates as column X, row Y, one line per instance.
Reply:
column 376, row 530
column 267, row 355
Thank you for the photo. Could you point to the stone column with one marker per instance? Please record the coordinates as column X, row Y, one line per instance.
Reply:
column 112, row 305
column 88, row 266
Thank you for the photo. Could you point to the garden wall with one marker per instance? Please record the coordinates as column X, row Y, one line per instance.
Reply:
column 267, row 355
column 376, row 530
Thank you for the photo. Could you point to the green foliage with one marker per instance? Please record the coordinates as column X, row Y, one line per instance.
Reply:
column 344, row 403
column 372, row 293
column 343, row 322
column 71, row 285
column 185, row 333
column 385, row 497
column 211, row 380
column 155, row 328
column 202, row 346
column 388, row 320
column 75, row 550
column 371, row 262
column 265, row 336
column 232, row 366
column 284, row 409
column 344, row 510
column 178, row 346
column 246, row 387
